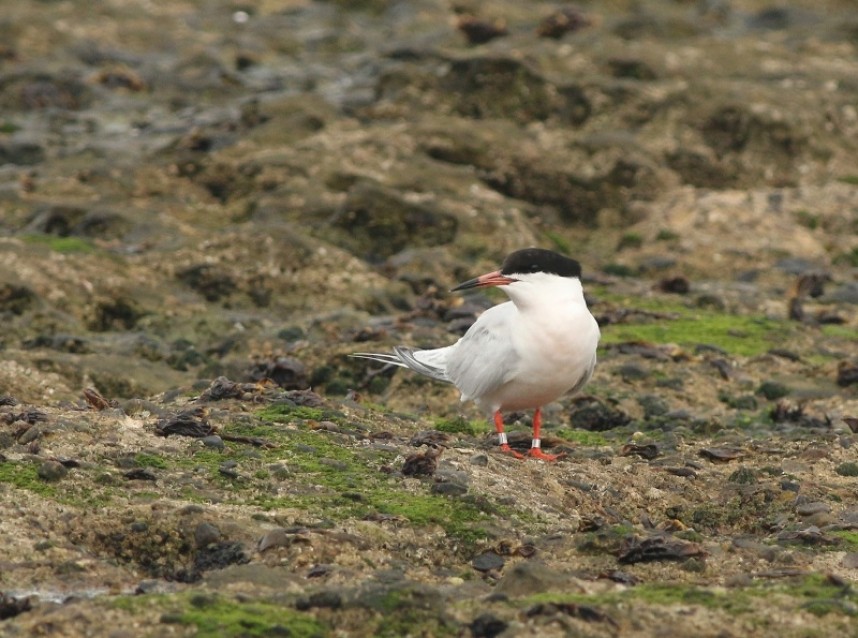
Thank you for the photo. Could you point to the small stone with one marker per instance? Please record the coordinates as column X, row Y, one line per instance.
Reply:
column 52, row 471
column 275, row 538
column 206, row 534
column 480, row 460
column 487, row 626
column 809, row 509
column 449, row 489
column 213, row 441
column 487, row 561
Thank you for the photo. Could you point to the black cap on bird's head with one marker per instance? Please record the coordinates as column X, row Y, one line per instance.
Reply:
column 532, row 260
column 522, row 262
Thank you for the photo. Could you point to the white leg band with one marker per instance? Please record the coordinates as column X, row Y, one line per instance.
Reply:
column 536, row 443
column 502, row 438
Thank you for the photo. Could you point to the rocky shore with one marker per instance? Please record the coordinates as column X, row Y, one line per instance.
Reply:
column 205, row 207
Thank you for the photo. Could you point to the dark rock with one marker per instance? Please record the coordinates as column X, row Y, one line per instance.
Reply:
column 479, row 31
column 287, row 372
column 653, row 406
column 773, row 390
column 192, row 423
column 213, row 441
column 720, row 454
column 15, row 299
column 422, row 463
column 487, row 561
column 631, row 68
column 206, row 534
column 449, row 488
column 595, row 416
column 678, row 285
column 375, row 222
column 115, row 314
column 809, row 509
column 52, row 471
column 213, row 556
column 487, row 625
column 11, row 606
column 657, row 548
column 212, row 282
column 21, row 153
column 484, row 87
column 847, row 373
column 140, row 474
column 326, row 598
column 648, row 452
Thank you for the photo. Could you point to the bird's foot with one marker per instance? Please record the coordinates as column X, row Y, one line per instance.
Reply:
column 506, row 449
column 537, row 453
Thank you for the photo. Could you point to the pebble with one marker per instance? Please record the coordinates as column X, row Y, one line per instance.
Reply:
column 213, row 441
column 449, row 489
column 206, row 534
column 52, row 471
column 487, row 561
column 809, row 509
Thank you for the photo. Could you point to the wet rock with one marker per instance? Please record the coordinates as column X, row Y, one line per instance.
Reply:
column 206, row 534
column 479, row 31
column 216, row 555
column 375, row 222
column 595, row 416
column 720, row 454
column 487, row 625
column 213, row 441
column 52, row 471
column 10, row 606
column 141, row 474
column 487, row 561
column 192, row 423
column 648, row 451
column 658, row 548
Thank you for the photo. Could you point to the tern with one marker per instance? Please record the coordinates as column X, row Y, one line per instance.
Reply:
column 520, row 354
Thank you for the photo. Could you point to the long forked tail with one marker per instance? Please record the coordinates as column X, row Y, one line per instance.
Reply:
column 426, row 364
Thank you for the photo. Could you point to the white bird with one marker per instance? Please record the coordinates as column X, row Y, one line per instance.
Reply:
column 520, row 354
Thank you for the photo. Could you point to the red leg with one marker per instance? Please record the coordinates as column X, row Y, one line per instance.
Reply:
column 504, row 446
column 536, row 446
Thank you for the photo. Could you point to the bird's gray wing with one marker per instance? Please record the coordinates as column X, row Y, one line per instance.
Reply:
column 585, row 378
column 484, row 358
